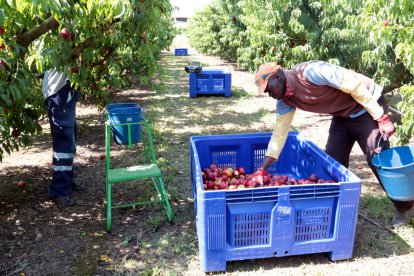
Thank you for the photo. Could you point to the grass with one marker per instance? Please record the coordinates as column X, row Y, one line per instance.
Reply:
column 175, row 117
column 144, row 242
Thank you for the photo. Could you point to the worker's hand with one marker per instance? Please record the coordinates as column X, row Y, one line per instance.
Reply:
column 385, row 125
column 261, row 172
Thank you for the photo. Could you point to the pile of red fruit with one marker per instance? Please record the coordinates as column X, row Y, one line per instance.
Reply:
column 228, row 178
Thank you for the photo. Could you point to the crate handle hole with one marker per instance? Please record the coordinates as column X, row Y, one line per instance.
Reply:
column 275, row 253
column 286, row 252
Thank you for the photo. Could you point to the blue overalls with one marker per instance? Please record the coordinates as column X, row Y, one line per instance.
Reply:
column 61, row 107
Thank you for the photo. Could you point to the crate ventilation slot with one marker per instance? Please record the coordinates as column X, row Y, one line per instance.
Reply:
column 249, row 196
column 314, row 191
column 312, row 224
column 250, row 229
column 224, row 158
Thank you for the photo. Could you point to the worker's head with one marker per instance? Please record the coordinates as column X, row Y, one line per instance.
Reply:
column 271, row 79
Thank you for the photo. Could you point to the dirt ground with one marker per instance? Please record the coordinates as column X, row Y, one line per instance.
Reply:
column 39, row 238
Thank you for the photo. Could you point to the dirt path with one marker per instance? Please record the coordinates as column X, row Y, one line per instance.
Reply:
column 38, row 238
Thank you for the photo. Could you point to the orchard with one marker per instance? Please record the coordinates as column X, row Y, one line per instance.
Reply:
column 103, row 45
column 375, row 38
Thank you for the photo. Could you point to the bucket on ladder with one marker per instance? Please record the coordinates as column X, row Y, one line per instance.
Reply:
column 126, row 116
column 120, row 105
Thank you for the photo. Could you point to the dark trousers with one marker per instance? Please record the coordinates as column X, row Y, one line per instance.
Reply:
column 344, row 132
column 62, row 116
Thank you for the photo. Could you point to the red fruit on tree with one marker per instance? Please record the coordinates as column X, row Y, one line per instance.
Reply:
column 2, row 46
column 144, row 39
column 74, row 70
column 386, row 22
column 21, row 184
column 65, row 34
column 1, row 30
column 4, row 63
column 16, row 132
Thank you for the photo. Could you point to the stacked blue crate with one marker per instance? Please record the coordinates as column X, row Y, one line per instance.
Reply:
column 272, row 221
column 181, row 51
column 210, row 81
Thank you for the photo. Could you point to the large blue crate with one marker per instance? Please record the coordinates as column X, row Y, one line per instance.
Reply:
column 181, row 51
column 272, row 221
column 210, row 81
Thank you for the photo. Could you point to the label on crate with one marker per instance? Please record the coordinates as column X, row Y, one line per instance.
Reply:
column 284, row 210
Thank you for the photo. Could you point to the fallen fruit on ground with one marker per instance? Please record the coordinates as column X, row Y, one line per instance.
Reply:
column 21, row 184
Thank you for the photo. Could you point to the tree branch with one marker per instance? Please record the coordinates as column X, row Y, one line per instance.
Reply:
column 28, row 37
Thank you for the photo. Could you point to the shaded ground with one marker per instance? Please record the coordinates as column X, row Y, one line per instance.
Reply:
column 38, row 238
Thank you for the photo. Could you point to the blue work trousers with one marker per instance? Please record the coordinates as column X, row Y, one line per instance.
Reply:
column 62, row 116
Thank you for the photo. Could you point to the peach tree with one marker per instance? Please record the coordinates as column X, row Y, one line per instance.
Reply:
column 374, row 38
column 101, row 44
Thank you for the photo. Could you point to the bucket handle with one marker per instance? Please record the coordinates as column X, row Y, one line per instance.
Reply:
column 377, row 150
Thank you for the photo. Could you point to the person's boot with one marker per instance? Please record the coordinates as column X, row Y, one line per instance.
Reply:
column 64, row 201
column 402, row 218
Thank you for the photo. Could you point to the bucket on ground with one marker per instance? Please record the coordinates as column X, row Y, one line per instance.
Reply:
column 395, row 167
column 126, row 116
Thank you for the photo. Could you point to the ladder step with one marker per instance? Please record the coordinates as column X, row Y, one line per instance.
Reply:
column 135, row 172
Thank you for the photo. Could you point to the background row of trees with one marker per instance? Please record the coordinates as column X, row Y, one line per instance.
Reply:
column 101, row 44
column 374, row 37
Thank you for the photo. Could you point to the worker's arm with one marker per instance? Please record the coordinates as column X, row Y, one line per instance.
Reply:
column 278, row 139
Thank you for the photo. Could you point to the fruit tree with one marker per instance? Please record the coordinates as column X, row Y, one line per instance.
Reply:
column 101, row 44
column 373, row 37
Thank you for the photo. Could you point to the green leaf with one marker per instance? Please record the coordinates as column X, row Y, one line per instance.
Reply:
column 6, row 99
column 1, row 17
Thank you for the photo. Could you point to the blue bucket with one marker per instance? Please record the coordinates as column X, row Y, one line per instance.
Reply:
column 124, row 116
column 120, row 105
column 395, row 167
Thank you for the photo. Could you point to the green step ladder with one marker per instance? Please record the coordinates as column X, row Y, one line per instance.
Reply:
column 149, row 170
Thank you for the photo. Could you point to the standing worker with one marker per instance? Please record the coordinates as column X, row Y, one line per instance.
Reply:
column 356, row 102
column 60, row 100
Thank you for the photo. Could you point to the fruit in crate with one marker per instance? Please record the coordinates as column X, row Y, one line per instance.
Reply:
column 233, row 178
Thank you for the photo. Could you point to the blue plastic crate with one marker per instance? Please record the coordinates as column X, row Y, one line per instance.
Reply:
column 181, row 51
column 272, row 221
column 210, row 81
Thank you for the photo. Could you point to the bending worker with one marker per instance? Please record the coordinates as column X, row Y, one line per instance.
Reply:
column 356, row 102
